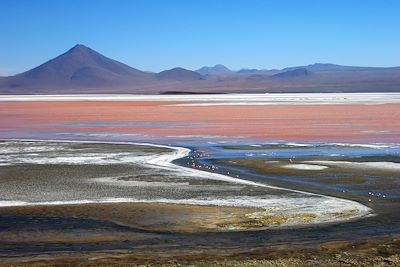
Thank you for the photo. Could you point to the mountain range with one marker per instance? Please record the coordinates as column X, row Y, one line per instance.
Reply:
column 83, row 70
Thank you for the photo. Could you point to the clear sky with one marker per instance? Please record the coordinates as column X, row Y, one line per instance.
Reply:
column 157, row 35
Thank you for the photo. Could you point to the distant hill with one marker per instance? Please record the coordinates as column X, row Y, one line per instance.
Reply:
column 245, row 71
column 316, row 67
column 83, row 70
column 216, row 70
column 257, row 71
column 179, row 74
column 290, row 74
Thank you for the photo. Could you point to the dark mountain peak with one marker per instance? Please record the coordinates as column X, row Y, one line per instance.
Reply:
column 80, row 46
column 179, row 74
column 322, row 65
column 83, row 51
column 218, row 69
column 80, row 58
column 179, row 69
column 80, row 49
column 221, row 67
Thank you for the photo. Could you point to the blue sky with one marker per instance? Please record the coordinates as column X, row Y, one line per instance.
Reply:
column 157, row 35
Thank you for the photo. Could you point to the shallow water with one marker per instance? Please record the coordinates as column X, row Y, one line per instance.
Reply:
column 376, row 186
column 57, row 160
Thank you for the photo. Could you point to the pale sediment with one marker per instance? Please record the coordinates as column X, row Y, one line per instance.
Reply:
column 254, row 205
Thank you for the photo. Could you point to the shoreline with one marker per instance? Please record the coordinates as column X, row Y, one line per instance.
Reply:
column 221, row 99
column 131, row 238
column 165, row 161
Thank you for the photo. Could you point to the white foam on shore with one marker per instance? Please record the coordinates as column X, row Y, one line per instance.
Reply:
column 298, row 144
column 376, row 146
column 306, row 145
column 307, row 167
column 349, row 164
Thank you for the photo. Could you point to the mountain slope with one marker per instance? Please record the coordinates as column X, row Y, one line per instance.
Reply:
column 179, row 74
column 215, row 70
column 78, row 67
column 317, row 67
column 291, row 74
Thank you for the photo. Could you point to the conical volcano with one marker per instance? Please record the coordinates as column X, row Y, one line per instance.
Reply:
column 79, row 67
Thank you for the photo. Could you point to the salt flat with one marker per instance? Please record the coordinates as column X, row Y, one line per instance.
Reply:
column 225, row 99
